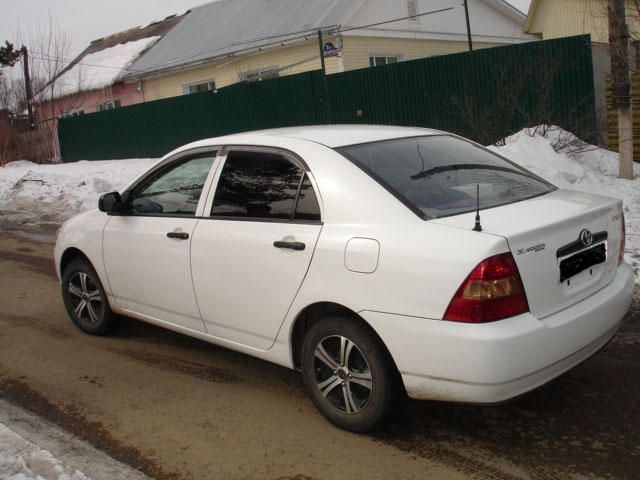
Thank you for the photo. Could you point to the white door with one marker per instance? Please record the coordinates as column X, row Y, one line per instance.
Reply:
column 146, row 248
column 251, row 255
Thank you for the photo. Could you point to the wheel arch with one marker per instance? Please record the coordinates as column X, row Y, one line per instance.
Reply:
column 316, row 312
column 70, row 254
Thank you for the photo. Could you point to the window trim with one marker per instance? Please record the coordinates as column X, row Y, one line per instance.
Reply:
column 186, row 86
column 289, row 155
column 166, row 164
column 398, row 56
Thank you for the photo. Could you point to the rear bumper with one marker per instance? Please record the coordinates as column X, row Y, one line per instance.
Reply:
column 494, row 362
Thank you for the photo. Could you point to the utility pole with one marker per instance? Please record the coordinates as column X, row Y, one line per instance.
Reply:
column 320, row 44
column 619, row 51
column 27, row 86
column 466, row 14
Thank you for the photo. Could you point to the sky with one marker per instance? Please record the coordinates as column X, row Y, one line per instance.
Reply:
column 87, row 20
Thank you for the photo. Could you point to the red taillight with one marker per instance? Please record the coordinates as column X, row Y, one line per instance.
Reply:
column 623, row 233
column 492, row 291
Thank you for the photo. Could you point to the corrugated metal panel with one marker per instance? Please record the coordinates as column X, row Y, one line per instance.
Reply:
column 484, row 95
column 215, row 29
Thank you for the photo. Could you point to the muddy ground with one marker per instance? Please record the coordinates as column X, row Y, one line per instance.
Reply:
column 176, row 407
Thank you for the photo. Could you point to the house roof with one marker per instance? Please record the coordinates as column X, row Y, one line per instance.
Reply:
column 104, row 57
column 224, row 27
column 508, row 9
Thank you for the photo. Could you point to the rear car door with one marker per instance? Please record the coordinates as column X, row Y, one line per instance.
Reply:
column 146, row 248
column 251, row 255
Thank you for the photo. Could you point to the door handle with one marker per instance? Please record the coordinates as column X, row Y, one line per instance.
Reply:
column 289, row 245
column 178, row 235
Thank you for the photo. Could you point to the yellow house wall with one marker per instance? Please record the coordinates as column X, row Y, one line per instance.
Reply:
column 356, row 51
column 563, row 18
column 227, row 71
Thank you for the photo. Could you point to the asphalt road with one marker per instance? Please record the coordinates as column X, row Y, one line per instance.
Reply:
column 175, row 407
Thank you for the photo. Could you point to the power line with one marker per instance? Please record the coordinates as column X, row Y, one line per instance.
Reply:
column 302, row 34
column 288, row 37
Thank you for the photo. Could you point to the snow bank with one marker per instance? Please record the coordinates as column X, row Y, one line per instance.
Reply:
column 33, row 195
column 100, row 69
column 23, row 460
column 45, row 195
column 591, row 170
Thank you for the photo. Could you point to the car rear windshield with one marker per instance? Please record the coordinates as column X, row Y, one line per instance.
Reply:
column 440, row 175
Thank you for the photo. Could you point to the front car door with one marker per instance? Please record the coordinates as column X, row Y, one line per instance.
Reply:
column 146, row 248
column 251, row 255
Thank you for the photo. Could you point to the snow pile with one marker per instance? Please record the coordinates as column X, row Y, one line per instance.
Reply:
column 100, row 69
column 33, row 195
column 23, row 460
column 590, row 169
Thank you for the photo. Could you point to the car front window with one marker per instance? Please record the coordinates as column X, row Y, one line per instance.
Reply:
column 440, row 175
column 175, row 191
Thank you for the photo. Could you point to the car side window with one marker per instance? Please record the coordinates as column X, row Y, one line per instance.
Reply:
column 174, row 191
column 260, row 185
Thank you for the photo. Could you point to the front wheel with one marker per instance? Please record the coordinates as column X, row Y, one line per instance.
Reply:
column 348, row 374
column 85, row 299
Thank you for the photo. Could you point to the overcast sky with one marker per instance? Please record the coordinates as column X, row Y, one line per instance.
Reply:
column 87, row 20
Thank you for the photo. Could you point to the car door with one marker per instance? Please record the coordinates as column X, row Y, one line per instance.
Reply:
column 251, row 255
column 146, row 248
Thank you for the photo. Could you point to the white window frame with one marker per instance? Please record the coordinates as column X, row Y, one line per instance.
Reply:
column 74, row 112
column 211, row 85
column 257, row 74
column 398, row 56
column 109, row 105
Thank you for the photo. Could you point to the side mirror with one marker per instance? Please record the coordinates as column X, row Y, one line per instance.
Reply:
column 110, row 202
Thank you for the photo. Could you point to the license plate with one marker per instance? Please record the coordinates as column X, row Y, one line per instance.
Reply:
column 582, row 261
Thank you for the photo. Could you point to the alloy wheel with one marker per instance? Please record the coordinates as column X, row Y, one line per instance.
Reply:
column 85, row 297
column 342, row 374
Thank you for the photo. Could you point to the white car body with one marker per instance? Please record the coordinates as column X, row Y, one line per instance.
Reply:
column 227, row 285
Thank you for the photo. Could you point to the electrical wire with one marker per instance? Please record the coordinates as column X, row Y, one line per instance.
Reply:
column 288, row 37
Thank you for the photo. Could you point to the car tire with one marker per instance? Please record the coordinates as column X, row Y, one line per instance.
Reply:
column 348, row 373
column 85, row 299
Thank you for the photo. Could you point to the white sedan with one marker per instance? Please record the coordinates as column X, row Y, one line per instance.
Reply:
column 377, row 260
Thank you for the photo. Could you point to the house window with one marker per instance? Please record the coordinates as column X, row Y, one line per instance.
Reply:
column 412, row 10
column 200, row 86
column 375, row 60
column 110, row 105
column 72, row 113
column 260, row 74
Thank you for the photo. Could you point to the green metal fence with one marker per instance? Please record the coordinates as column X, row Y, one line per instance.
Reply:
column 485, row 95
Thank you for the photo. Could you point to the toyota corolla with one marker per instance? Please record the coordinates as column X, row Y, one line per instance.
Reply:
column 377, row 260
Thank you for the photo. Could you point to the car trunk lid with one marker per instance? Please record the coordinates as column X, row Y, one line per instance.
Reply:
column 565, row 244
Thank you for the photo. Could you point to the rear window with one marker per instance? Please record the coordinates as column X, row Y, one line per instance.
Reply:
column 437, row 176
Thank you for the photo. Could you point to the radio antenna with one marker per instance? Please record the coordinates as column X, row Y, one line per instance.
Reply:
column 477, row 227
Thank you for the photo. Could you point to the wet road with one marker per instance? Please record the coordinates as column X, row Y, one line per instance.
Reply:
column 176, row 407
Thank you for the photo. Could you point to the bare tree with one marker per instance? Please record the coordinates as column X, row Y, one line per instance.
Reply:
column 621, row 97
column 49, row 44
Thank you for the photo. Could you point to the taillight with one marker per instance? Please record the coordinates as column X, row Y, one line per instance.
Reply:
column 491, row 292
column 623, row 232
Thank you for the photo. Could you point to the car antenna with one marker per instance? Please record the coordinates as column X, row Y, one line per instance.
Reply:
column 477, row 227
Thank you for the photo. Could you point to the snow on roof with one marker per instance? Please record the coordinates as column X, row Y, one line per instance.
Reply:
column 99, row 69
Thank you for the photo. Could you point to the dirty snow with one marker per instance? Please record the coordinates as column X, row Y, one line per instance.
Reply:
column 22, row 460
column 100, row 69
column 33, row 195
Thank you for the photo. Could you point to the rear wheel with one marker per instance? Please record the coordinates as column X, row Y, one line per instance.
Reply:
column 348, row 374
column 85, row 298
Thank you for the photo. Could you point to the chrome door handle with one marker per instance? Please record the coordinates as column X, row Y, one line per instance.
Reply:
column 289, row 245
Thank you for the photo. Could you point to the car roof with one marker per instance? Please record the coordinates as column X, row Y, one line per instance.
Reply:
column 333, row 136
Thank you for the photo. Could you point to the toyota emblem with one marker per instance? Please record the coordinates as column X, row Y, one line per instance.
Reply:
column 586, row 237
